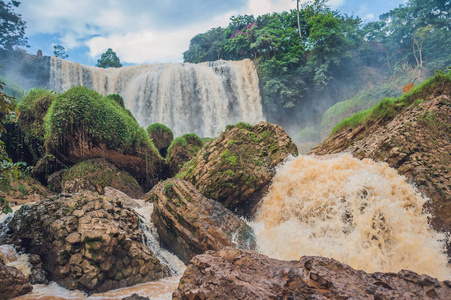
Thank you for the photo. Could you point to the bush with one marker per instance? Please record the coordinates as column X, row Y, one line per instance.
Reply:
column 117, row 98
column 100, row 120
column 32, row 110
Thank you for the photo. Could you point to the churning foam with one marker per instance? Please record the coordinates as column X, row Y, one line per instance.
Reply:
column 201, row 98
column 359, row 212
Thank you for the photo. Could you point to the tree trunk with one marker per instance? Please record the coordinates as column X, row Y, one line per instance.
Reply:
column 299, row 22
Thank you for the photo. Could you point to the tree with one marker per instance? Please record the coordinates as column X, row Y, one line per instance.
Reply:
column 60, row 51
column 8, row 170
column 109, row 59
column 12, row 27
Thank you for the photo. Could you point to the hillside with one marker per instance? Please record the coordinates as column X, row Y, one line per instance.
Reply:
column 410, row 133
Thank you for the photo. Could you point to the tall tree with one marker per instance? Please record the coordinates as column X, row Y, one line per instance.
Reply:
column 109, row 59
column 12, row 27
column 60, row 51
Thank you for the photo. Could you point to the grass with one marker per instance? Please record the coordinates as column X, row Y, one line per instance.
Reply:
column 85, row 112
column 388, row 108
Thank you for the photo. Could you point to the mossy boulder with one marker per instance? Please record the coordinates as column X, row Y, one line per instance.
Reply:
column 96, row 174
column 237, row 167
column 32, row 110
column 81, row 124
column 189, row 224
column 161, row 136
column 181, row 151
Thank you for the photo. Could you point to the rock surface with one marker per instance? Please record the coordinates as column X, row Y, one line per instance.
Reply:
column 13, row 282
column 24, row 190
column 237, row 167
column 189, row 224
column 96, row 174
column 416, row 143
column 86, row 242
column 46, row 166
column 243, row 274
column 161, row 136
column 181, row 151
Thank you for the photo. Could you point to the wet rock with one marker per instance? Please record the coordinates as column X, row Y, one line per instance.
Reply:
column 86, row 241
column 38, row 274
column 13, row 282
column 242, row 274
column 237, row 167
column 189, row 224
column 135, row 297
column 96, row 174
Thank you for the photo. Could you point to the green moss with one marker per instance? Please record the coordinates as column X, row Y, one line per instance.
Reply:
column 192, row 139
column 240, row 125
column 230, row 173
column 158, row 128
column 100, row 120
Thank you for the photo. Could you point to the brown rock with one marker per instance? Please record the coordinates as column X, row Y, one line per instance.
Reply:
column 83, row 241
column 13, row 282
column 189, row 224
column 96, row 174
column 237, row 167
column 243, row 274
column 181, row 151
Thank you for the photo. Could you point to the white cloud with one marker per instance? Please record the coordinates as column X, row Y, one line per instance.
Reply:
column 139, row 31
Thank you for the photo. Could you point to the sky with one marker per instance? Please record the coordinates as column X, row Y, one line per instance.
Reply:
column 149, row 31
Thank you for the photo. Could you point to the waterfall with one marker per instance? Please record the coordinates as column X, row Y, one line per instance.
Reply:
column 201, row 98
column 359, row 212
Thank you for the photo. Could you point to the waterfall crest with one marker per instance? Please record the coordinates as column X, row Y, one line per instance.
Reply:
column 359, row 212
column 201, row 98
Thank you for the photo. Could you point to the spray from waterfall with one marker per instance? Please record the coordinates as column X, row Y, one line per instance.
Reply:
column 359, row 212
column 188, row 98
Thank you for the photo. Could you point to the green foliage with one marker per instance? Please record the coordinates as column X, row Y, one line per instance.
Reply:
column 240, row 125
column 117, row 98
column 109, row 59
column 12, row 89
column 388, row 108
column 32, row 109
column 60, row 51
column 8, row 172
column 193, row 139
column 12, row 27
column 98, row 119
column 158, row 128
column 307, row 134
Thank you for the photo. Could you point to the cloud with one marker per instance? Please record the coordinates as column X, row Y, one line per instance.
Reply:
column 138, row 30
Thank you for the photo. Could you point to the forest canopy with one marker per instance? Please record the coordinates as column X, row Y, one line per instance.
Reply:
column 332, row 49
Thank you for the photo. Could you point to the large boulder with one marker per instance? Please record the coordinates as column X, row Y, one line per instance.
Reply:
column 86, row 242
column 181, row 151
column 240, row 274
column 45, row 167
column 237, row 167
column 13, row 282
column 94, row 175
column 412, row 135
column 189, row 224
column 161, row 136
column 80, row 125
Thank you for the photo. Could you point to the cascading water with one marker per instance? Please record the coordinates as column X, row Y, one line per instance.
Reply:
column 201, row 98
column 359, row 212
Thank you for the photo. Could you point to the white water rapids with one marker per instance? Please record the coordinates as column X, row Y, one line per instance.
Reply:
column 188, row 98
column 359, row 212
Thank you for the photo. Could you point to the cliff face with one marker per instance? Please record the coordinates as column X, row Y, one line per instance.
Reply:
column 416, row 142
column 30, row 71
